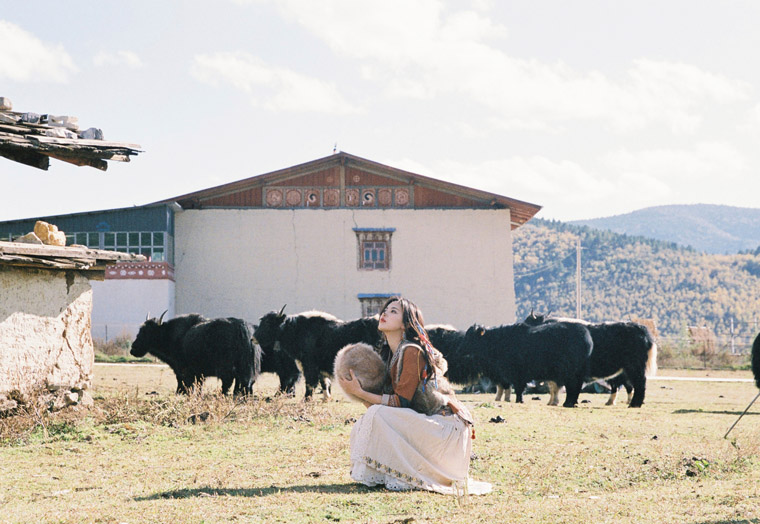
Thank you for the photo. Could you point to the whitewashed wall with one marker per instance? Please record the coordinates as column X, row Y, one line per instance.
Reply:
column 120, row 306
column 44, row 330
column 456, row 265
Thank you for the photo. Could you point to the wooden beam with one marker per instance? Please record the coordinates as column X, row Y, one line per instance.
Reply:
column 82, row 142
column 26, row 157
column 73, row 158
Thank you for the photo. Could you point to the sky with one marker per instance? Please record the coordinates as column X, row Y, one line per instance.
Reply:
column 589, row 108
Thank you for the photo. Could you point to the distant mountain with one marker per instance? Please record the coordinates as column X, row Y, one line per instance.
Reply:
column 706, row 228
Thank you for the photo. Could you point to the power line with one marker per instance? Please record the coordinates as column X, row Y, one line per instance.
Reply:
column 544, row 268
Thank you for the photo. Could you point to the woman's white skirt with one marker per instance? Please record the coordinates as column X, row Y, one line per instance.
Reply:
column 403, row 449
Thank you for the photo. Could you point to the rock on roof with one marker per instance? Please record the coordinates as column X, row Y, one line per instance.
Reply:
column 33, row 139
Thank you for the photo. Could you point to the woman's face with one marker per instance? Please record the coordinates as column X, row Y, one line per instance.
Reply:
column 392, row 318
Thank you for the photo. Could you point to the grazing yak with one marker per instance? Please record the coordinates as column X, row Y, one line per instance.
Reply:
column 756, row 360
column 314, row 338
column 280, row 363
column 462, row 369
column 196, row 347
column 624, row 354
column 519, row 353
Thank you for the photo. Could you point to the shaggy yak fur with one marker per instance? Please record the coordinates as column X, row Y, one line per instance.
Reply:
column 282, row 364
column 196, row 347
column 314, row 338
column 756, row 360
column 462, row 369
column 519, row 353
column 624, row 353
column 367, row 366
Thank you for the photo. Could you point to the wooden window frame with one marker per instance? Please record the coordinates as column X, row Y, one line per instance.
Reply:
column 374, row 240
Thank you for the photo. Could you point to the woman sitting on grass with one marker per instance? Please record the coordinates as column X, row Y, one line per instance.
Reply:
column 402, row 448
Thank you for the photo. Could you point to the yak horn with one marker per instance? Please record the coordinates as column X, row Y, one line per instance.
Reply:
column 147, row 316
column 283, row 309
column 161, row 319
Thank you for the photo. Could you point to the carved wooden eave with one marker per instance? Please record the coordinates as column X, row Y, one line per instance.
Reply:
column 342, row 180
column 79, row 258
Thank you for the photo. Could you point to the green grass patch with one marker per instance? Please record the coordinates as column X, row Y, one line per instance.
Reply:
column 120, row 359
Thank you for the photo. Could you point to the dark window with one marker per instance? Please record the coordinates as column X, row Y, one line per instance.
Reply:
column 374, row 255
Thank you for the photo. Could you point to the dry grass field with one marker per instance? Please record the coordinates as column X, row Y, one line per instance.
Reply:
column 143, row 454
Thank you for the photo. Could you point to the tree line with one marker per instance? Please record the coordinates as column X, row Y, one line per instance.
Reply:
column 629, row 276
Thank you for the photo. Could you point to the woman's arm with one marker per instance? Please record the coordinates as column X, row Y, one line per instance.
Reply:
column 353, row 387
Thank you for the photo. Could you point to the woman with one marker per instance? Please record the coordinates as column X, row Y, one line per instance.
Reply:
column 397, row 446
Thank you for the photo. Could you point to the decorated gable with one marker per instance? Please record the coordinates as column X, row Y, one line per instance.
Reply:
column 345, row 181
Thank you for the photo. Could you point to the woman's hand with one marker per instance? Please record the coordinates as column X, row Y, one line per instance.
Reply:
column 352, row 386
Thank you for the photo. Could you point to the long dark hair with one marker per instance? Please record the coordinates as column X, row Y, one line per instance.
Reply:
column 414, row 331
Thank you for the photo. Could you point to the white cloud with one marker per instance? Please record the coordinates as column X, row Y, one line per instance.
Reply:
column 616, row 183
column 702, row 163
column 751, row 123
column 275, row 88
column 423, row 49
column 26, row 58
column 126, row 58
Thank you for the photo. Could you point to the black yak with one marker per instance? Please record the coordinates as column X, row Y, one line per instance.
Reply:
column 517, row 354
column 314, row 338
column 196, row 347
column 463, row 369
column 756, row 360
column 624, row 353
column 280, row 363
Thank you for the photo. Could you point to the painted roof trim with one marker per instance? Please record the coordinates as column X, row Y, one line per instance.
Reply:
column 525, row 210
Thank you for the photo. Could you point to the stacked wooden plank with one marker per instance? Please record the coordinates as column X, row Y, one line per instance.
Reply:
column 55, row 257
column 34, row 139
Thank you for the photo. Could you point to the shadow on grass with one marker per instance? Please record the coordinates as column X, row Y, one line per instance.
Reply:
column 737, row 413
column 258, row 492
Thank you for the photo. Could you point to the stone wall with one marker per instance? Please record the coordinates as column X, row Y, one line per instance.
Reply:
column 45, row 340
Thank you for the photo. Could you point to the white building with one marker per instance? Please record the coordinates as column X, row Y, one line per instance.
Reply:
column 340, row 234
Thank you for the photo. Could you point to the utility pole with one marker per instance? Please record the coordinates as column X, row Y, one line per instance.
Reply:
column 578, row 278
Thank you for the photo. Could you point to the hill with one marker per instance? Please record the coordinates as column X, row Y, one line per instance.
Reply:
column 706, row 228
column 625, row 276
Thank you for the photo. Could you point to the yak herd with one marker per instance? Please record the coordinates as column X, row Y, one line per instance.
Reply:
column 559, row 352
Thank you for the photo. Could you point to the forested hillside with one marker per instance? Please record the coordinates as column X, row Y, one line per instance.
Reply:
column 624, row 276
